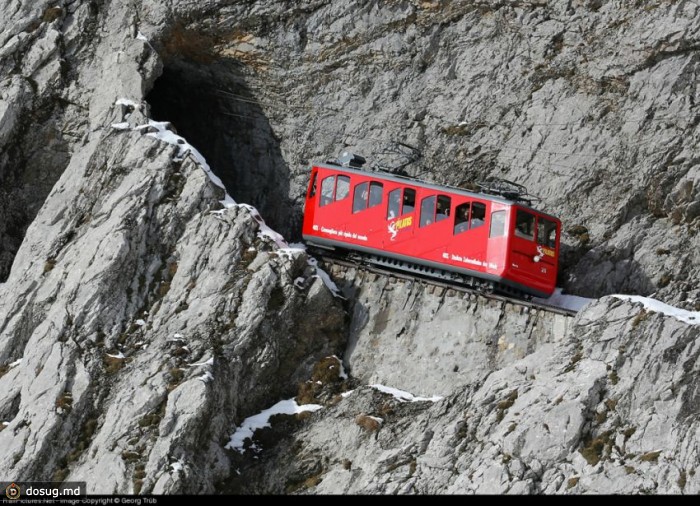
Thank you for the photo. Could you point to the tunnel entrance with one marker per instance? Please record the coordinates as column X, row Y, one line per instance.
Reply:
column 210, row 104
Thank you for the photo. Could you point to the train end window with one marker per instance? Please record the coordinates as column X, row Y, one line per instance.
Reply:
column 343, row 189
column 525, row 225
column 312, row 186
column 478, row 215
column 375, row 194
column 327, row 188
column 359, row 198
column 427, row 211
column 462, row 218
column 409, row 201
column 498, row 224
column 394, row 202
column 547, row 233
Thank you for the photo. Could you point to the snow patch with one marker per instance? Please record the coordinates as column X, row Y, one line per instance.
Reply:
column 689, row 317
column 177, row 466
column 206, row 377
column 121, row 126
column 345, row 394
column 404, row 396
column 140, row 323
column 163, row 133
column 560, row 300
column 265, row 231
column 325, row 278
column 15, row 363
column 127, row 102
column 119, row 356
column 342, row 374
column 208, row 362
column 262, row 420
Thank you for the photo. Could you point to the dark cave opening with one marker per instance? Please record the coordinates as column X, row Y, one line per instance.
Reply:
column 210, row 104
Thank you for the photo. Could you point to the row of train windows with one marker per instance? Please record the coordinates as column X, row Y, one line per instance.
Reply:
column 433, row 209
column 468, row 216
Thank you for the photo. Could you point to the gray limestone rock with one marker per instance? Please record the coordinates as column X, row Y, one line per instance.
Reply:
column 141, row 320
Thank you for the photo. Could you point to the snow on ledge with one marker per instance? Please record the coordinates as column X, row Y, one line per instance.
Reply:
column 262, row 420
column 403, row 396
column 163, row 133
column 558, row 299
column 689, row 317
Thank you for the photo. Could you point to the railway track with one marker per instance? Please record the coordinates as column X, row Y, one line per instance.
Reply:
column 326, row 258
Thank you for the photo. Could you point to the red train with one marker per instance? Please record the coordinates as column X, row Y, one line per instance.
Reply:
column 483, row 240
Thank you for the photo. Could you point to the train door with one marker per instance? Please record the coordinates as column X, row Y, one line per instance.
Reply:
column 524, row 247
column 547, row 248
column 534, row 250
column 310, row 203
column 434, row 227
column 468, row 248
column 400, row 220
column 332, row 215
column 367, row 221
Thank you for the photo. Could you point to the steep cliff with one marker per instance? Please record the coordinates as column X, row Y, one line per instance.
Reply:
column 144, row 315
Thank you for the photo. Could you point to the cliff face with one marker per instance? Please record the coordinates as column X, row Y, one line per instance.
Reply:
column 144, row 315
column 612, row 408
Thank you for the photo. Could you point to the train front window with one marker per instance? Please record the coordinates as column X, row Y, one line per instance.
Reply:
column 409, row 201
column 312, row 187
column 462, row 218
column 525, row 225
column 359, row 199
column 546, row 233
column 498, row 224
column 478, row 215
column 343, row 189
column 327, row 187
column 427, row 211
column 394, row 201
column 375, row 194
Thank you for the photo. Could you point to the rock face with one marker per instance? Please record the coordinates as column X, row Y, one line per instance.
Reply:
column 143, row 315
column 449, row 338
column 610, row 409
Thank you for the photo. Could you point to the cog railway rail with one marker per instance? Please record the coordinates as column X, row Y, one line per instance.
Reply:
column 330, row 258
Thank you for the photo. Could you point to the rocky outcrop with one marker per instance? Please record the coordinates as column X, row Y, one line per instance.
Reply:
column 148, row 320
column 610, row 409
column 450, row 338
column 141, row 319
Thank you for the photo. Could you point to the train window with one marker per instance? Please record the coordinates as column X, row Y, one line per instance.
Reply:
column 343, row 188
column 375, row 194
column 498, row 224
column 478, row 215
column 443, row 208
column 462, row 218
column 409, row 201
column 312, row 187
column 394, row 200
column 525, row 225
column 359, row 198
column 546, row 233
column 427, row 211
column 327, row 187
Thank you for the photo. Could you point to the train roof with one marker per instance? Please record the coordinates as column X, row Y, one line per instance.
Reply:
column 387, row 176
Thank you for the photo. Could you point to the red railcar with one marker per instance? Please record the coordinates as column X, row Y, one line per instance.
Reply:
column 477, row 238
